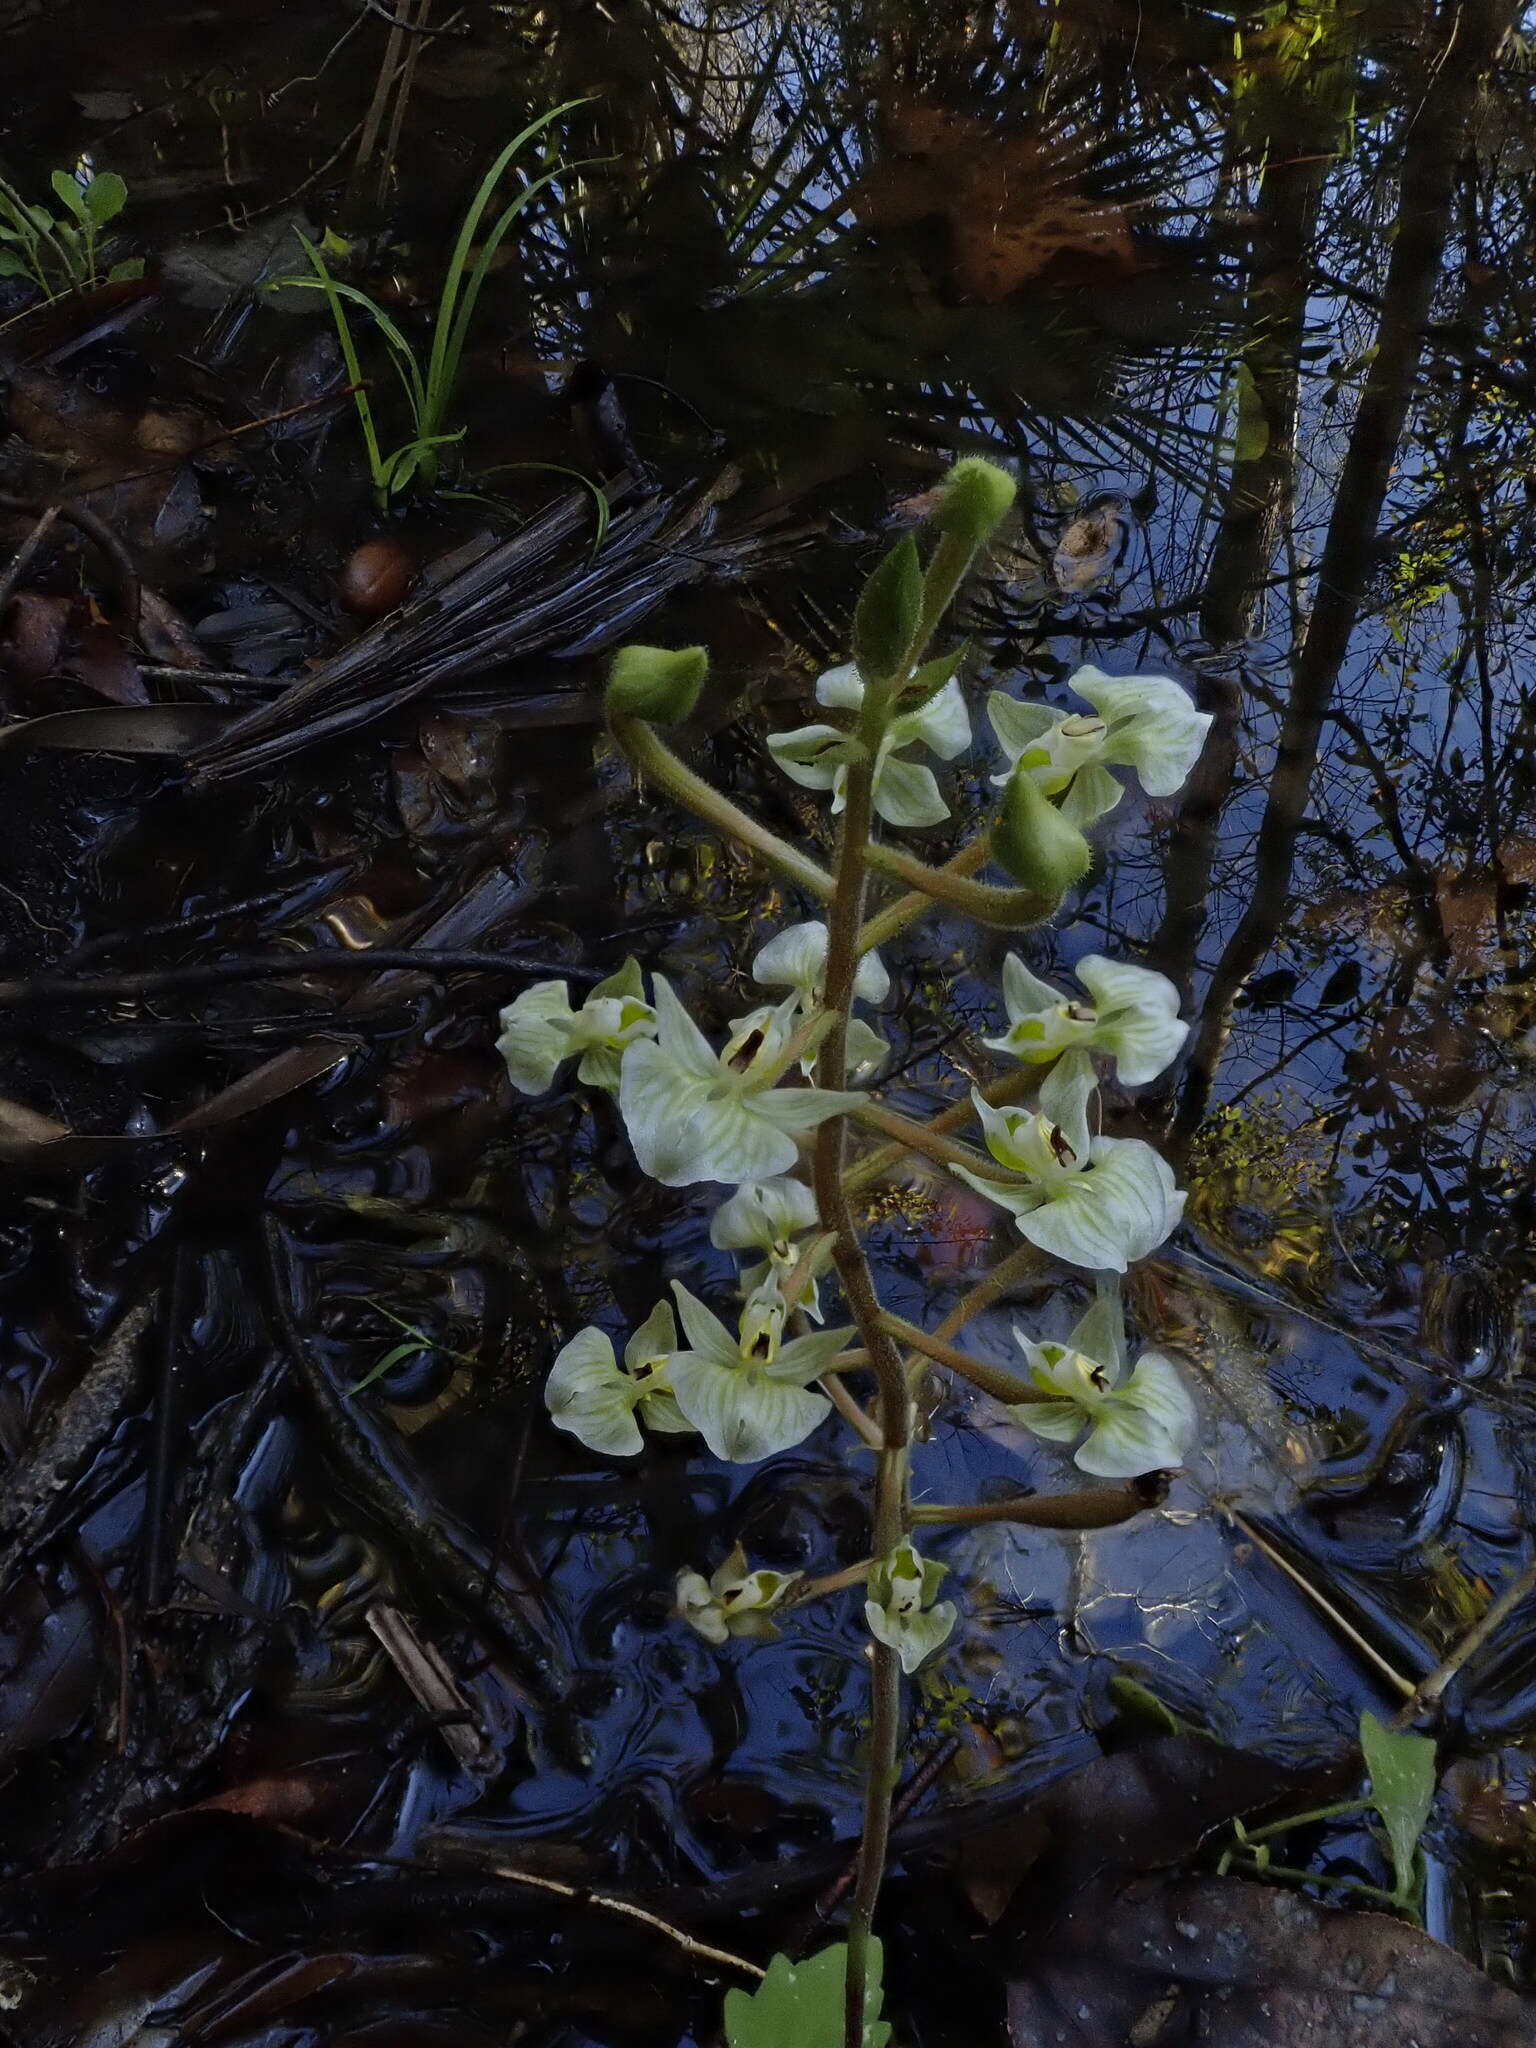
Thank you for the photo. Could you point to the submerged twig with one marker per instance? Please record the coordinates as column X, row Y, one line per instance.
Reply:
column 46, row 991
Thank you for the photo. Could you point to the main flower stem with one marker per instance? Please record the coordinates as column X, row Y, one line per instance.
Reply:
column 845, row 915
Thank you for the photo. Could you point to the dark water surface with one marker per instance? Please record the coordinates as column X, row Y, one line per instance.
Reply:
column 1246, row 298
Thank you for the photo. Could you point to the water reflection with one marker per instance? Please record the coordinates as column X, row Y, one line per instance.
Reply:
column 1251, row 320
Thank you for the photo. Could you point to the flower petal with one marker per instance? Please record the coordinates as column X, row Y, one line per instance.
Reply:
column 794, row 958
column 914, row 1637
column 1101, row 1334
column 811, row 755
column 1154, row 725
column 806, row 1358
column 797, row 1110
column 1061, row 1422
column 743, row 1416
column 1026, row 995
column 1017, row 725
column 1111, row 1216
column 1146, row 1427
column 684, row 1130
column 680, row 1038
column 841, row 688
column 1092, row 794
column 1139, row 1018
column 1064, row 1097
column 587, row 1395
column 1015, row 1196
column 655, row 1339
column 907, row 795
column 943, row 724
column 761, row 1214
column 536, row 1035
column 705, row 1332
column 866, row 1049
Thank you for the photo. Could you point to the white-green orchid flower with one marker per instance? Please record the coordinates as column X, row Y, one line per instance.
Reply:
column 694, row 1114
column 1094, row 1202
column 747, row 1392
column 540, row 1030
column 592, row 1395
column 817, row 756
column 732, row 1601
column 767, row 1216
column 901, row 1610
column 1148, row 723
column 1134, row 1017
column 796, row 958
column 1137, row 1422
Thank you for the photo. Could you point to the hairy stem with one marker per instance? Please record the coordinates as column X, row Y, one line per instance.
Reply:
column 894, row 1414
column 1014, row 909
column 992, row 1379
column 885, row 924
column 931, row 1138
column 653, row 758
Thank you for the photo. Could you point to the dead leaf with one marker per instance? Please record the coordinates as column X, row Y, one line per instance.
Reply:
column 1155, row 1961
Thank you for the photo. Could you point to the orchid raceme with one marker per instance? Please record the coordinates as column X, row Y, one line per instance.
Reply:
column 747, row 1392
column 1137, row 1421
column 596, row 1398
column 1148, row 723
column 540, row 1030
column 732, row 1601
column 694, row 1114
column 1134, row 1017
column 1094, row 1202
column 905, row 793
column 767, row 1216
column 901, row 1611
column 796, row 958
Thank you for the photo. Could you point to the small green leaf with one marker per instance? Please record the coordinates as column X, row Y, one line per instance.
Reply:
column 1402, row 1771
column 885, row 619
column 126, row 271
column 105, row 197
column 12, row 266
column 411, row 1348
column 67, row 187
column 800, row 2005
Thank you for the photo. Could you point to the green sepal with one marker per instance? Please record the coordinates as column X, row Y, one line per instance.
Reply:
column 885, row 620
column 658, row 684
column 624, row 981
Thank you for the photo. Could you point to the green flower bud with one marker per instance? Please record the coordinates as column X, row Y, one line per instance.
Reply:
column 659, row 684
column 1035, row 843
column 974, row 498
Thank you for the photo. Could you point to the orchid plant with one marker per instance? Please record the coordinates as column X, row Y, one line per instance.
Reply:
column 782, row 1122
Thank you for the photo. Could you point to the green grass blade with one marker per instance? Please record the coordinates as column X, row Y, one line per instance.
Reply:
column 354, row 366
column 447, row 307
column 402, row 354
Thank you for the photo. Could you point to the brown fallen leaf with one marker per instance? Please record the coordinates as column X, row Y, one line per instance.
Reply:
column 1157, row 1961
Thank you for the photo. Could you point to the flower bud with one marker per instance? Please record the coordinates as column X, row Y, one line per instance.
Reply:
column 973, row 500
column 1035, row 843
column 660, row 684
